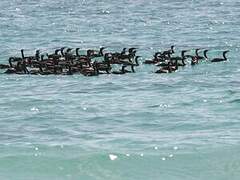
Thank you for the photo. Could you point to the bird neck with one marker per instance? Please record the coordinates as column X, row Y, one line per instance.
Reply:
column 205, row 54
column 224, row 55
column 196, row 53
column 22, row 54
column 10, row 62
column 182, row 54
column 77, row 54
column 132, row 67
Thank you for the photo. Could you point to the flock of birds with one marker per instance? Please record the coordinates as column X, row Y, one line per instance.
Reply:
column 68, row 61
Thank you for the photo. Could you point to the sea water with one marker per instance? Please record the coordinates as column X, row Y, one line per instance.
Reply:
column 139, row 126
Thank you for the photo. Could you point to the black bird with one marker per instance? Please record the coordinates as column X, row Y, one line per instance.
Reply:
column 4, row 66
column 36, row 57
column 123, row 51
column 170, row 51
column 130, row 50
column 166, row 69
column 14, row 59
column 54, row 55
column 157, row 57
column 99, row 53
column 194, row 60
column 205, row 54
column 178, row 58
column 77, row 52
column 62, row 51
column 103, row 66
column 69, row 72
column 197, row 55
column 221, row 59
column 90, row 71
column 122, row 71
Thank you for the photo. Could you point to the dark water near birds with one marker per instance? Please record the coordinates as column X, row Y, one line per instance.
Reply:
column 142, row 125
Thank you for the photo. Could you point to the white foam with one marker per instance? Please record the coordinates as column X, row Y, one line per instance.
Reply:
column 112, row 157
column 175, row 148
column 35, row 109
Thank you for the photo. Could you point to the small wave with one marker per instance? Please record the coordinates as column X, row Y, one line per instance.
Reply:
column 159, row 105
column 235, row 101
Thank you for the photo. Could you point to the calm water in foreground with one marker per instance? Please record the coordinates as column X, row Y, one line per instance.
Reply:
column 180, row 126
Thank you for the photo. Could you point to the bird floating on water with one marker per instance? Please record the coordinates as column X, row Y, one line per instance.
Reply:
column 69, row 61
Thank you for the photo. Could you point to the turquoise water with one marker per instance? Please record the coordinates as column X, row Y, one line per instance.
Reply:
column 183, row 125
